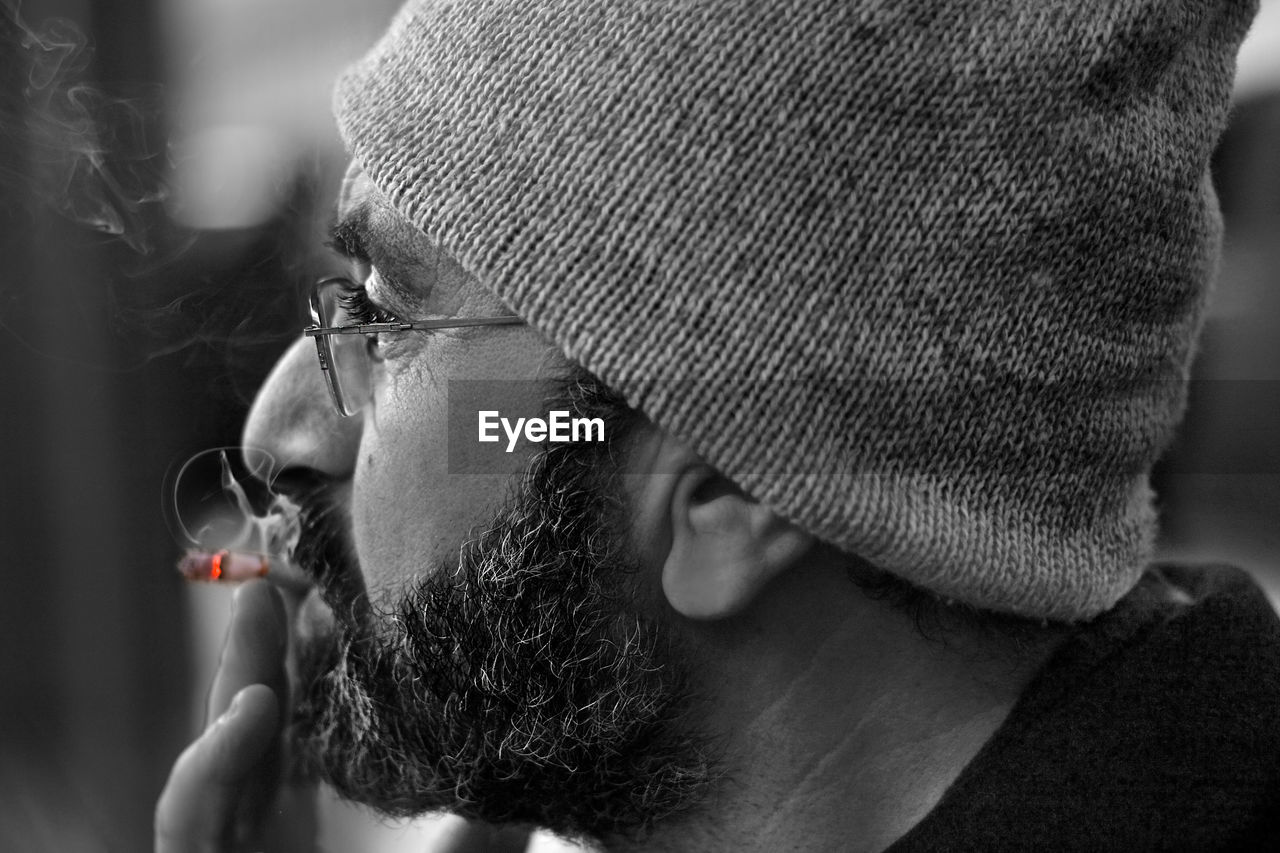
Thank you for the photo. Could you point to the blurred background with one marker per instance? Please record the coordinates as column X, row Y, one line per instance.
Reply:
column 166, row 167
column 166, row 171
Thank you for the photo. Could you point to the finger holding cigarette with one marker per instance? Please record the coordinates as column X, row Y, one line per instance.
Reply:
column 254, row 651
column 223, row 785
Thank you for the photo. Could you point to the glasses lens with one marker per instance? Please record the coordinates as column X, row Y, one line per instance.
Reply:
column 347, row 355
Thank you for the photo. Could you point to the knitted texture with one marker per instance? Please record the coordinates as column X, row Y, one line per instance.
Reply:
column 923, row 277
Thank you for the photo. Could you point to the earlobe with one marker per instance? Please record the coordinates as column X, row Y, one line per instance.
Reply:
column 725, row 546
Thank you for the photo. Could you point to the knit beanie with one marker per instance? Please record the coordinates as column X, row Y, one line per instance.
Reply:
column 922, row 277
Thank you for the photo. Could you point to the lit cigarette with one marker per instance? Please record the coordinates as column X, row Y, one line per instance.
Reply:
column 224, row 566
column 260, row 541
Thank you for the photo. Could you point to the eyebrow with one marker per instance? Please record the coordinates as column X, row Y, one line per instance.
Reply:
column 351, row 237
column 348, row 235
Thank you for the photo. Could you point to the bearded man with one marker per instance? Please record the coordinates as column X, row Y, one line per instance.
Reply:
column 886, row 312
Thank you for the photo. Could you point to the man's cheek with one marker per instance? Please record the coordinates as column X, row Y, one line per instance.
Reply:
column 409, row 517
column 409, row 417
column 387, row 521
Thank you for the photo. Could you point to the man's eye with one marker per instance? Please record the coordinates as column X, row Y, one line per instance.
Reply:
column 356, row 305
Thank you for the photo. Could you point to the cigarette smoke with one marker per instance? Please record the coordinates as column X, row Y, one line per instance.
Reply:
column 89, row 154
column 228, row 516
column 94, row 151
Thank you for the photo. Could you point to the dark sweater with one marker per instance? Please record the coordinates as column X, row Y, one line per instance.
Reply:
column 1155, row 728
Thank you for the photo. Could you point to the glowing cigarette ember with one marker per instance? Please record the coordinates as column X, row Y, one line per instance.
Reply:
column 222, row 565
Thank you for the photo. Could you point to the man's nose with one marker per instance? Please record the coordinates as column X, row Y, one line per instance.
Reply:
column 293, row 425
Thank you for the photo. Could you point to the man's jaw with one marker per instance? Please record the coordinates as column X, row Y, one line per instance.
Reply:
column 515, row 686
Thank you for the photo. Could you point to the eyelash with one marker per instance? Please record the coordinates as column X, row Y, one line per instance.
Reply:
column 355, row 301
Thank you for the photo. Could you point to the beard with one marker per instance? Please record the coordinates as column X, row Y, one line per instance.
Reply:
column 521, row 686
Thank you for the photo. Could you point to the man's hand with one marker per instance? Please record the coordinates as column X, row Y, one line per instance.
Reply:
column 224, row 786
column 223, row 793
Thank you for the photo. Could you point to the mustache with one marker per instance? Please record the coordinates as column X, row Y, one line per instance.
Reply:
column 325, row 550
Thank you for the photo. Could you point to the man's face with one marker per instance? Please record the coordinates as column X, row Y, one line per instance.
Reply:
column 504, row 669
column 407, row 509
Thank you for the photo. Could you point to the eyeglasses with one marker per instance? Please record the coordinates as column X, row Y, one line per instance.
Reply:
column 340, row 331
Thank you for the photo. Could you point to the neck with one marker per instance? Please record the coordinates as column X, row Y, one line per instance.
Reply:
column 841, row 725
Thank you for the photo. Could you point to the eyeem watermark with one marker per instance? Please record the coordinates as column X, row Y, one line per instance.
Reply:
column 556, row 427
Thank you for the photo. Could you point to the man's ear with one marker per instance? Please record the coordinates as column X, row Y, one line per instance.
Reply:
column 725, row 546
